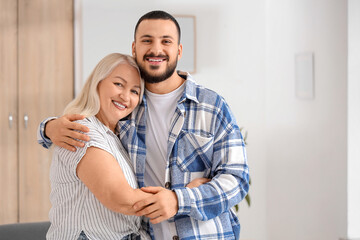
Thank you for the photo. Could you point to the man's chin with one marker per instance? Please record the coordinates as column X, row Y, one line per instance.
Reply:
column 154, row 79
column 151, row 75
column 156, row 75
column 155, row 71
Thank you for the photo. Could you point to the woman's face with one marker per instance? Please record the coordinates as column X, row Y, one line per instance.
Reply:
column 119, row 94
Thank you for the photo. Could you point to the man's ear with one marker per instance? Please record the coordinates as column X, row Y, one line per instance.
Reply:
column 180, row 51
column 133, row 48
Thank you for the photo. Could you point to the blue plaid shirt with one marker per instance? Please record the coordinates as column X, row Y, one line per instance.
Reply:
column 204, row 141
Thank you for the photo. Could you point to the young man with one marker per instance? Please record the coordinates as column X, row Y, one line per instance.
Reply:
column 180, row 132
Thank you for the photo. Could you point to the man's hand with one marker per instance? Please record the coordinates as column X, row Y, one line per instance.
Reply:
column 197, row 182
column 159, row 207
column 61, row 131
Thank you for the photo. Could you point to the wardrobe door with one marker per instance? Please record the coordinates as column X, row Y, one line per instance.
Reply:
column 45, row 87
column 8, row 112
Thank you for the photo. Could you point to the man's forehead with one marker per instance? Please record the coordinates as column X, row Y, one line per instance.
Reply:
column 160, row 27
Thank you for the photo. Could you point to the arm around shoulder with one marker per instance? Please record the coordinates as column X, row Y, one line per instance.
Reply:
column 63, row 132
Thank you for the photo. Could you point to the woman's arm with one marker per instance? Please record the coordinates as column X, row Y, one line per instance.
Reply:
column 107, row 182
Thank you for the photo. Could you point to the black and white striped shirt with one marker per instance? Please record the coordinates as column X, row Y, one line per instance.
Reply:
column 74, row 207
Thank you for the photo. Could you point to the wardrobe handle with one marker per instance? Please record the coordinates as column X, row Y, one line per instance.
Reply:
column 26, row 119
column 10, row 120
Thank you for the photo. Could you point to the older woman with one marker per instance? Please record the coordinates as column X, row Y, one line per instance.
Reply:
column 94, row 187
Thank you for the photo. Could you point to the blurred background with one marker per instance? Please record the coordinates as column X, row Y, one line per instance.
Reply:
column 290, row 71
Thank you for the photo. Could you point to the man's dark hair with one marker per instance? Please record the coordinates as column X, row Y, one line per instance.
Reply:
column 158, row 14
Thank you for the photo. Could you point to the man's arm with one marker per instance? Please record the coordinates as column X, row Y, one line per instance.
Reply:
column 229, row 185
column 41, row 137
column 63, row 132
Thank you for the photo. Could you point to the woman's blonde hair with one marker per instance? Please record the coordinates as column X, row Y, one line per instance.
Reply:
column 87, row 103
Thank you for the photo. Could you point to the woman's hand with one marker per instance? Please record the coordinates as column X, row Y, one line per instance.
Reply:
column 159, row 207
column 197, row 182
column 164, row 203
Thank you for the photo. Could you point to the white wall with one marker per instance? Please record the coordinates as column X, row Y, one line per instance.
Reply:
column 354, row 120
column 306, row 149
column 297, row 150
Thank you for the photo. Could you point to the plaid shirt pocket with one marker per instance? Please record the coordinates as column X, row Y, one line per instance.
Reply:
column 194, row 152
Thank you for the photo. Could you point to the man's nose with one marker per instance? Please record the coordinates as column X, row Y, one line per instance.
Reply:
column 156, row 48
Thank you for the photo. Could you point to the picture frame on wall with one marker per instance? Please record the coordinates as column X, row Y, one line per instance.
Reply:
column 188, row 39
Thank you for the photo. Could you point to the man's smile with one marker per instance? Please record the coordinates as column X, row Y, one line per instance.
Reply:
column 156, row 60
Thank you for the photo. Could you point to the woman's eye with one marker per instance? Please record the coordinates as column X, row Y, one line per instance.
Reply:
column 118, row 84
column 136, row 92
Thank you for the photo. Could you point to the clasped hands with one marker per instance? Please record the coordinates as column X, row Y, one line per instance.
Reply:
column 163, row 204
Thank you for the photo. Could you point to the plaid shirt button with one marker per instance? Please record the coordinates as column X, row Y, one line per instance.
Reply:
column 167, row 185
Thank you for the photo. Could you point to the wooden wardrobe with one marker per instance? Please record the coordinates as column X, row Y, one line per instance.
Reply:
column 36, row 81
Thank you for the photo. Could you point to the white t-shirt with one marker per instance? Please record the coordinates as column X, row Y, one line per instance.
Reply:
column 161, row 109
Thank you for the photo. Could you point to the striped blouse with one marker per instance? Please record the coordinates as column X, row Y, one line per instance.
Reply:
column 74, row 206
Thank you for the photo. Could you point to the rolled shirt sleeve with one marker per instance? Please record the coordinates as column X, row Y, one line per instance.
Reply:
column 41, row 137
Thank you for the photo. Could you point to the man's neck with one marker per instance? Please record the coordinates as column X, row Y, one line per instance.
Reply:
column 165, row 86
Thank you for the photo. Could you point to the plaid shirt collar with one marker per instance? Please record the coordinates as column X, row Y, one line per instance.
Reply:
column 190, row 88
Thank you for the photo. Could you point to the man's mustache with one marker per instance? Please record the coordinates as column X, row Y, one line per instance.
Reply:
column 156, row 56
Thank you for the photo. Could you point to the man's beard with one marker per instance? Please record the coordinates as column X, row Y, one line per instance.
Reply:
column 170, row 69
